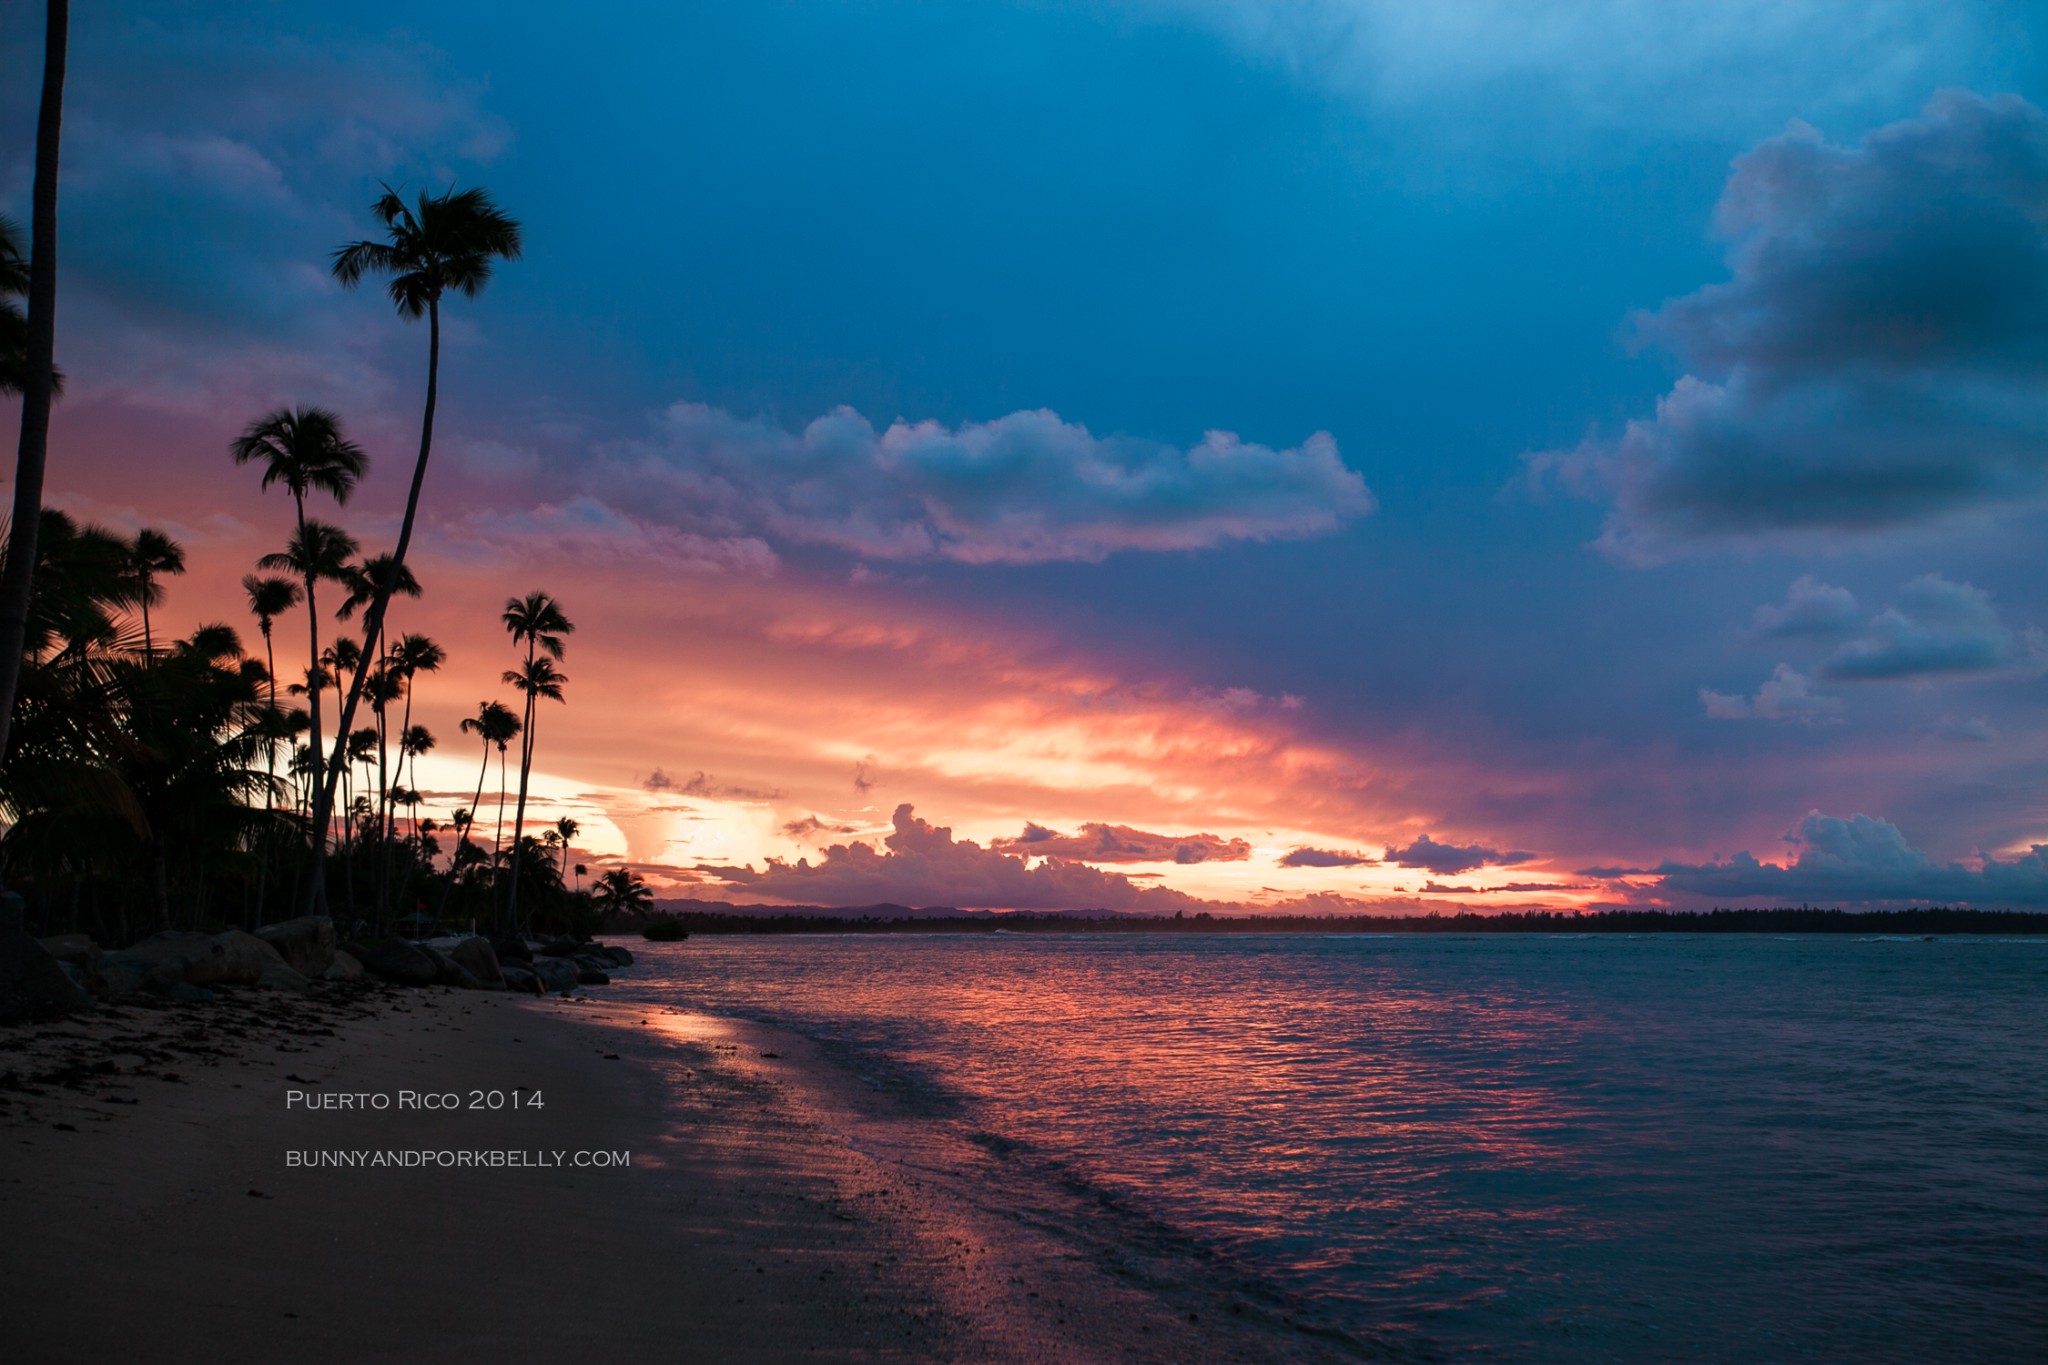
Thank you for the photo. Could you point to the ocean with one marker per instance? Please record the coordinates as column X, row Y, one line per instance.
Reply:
column 1494, row 1147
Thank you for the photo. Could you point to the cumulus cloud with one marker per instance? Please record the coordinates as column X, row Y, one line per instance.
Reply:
column 1966, row 729
column 1857, row 861
column 1936, row 628
column 1786, row 695
column 1325, row 857
column 587, row 531
column 1877, row 358
column 1100, row 843
column 923, row 864
column 1025, row 488
column 1811, row 610
column 1447, row 860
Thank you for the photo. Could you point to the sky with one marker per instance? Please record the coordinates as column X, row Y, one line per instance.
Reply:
column 1173, row 455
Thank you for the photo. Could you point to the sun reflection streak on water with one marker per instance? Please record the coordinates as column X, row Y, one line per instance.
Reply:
column 1521, row 1148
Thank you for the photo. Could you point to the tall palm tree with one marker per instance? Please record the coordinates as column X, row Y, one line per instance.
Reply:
column 269, row 598
column 567, row 829
column 538, row 622
column 150, row 554
column 305, row 450
column 316, row 550
column 493, row 723
column 413, row 655
column 449, row 241
column 39, row 368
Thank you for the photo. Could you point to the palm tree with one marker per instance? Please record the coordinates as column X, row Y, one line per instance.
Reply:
column 537, row 621
column 413, row 655
column 620, row 891
column 315, row 551
column 152, row 553
column 269, row 598
column 304, row 449
column 493, row 723
column 566, row 829
column 39, row 369
column 443, row 242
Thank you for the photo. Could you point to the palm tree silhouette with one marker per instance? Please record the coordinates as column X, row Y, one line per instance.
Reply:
column 413, row 655
column 152, row 553
column 620, row 891
column 304, row 449
column 316, row 550
column 38, row 373
column 567, row 829
column 537, row 621
column 493, row 723
column 443, row 242
column 269, row 598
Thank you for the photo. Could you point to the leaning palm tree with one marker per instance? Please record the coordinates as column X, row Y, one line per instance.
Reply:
column 538, row 622
column 566, row 829
column 493, row 723
column 150, row 554
column 315, row 551
column 38, row 371
column 443, row 242
column 304, row 449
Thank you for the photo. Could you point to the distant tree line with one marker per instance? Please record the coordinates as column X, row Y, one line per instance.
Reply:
column 1783, row 920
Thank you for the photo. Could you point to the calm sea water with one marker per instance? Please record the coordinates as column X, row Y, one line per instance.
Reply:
column 1518, row 1148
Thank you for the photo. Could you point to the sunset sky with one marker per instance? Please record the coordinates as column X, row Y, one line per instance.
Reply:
column 1314, row 455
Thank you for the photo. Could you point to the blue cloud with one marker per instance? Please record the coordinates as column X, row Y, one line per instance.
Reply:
column 1450, row 859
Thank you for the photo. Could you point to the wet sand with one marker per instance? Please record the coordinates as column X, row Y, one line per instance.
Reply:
column 774, row 1209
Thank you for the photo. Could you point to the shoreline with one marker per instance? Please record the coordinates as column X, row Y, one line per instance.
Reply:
column 774, row 1208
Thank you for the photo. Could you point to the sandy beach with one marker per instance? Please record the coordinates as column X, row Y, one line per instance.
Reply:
column 774, row 1208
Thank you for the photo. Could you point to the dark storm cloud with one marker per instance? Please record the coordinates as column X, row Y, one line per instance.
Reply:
column 1857, row 861
column 1935, row 628
column 1877, row 358
column 1020, row 489
column 1448, row 860
column 922, row 864
column 1325, row 857
column 1100, row 843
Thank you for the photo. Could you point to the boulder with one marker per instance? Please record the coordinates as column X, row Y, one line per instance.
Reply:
column 230, row 959
column 556, row 974
column 620, row 956
column 511, row 950
column 591, row 976
column 343, row 967
column 399, row 961
column 476, row 956
column 561, row 947
column 278, row 977
column 121, row 975
column 31, row 981
column 77, row 949
column 447, row 971
column 306, row 944
column 520, row 979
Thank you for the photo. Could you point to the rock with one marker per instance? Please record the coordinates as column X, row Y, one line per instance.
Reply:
column 511, row 950
column 77, row 949
column 555, row 973
column 561, row 947
column 520, row 979
column 399, row 961
column 230, row 959
column 31, row 981
column 591, row 976
column 306, row 944
column 343, row 967
column 278, row 977
column 185, row 993
column 621, row 957
column 476, row 956
column 121, row 975
column 449, row 972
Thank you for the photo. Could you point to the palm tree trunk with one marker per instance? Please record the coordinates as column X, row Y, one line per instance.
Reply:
column 373, row 623
column 519, row 818
column 315, row 895
column 525, row 767
column 269, row 782
column 148, row 646
column 39, row 384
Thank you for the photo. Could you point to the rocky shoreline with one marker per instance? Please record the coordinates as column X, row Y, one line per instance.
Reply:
column 70, row 972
